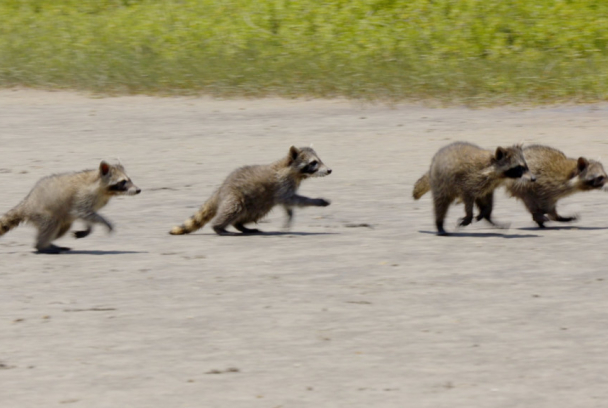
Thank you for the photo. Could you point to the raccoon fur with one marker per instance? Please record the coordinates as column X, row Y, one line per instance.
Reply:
column 57, row 201
column 250, row 192
column 463, row 171
column 557, row 176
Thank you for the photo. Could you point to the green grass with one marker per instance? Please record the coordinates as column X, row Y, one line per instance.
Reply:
column 472, row 51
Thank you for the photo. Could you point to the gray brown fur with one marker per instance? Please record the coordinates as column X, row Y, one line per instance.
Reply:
column 557, row 177
column 57, row 201
column 250, row 192
column 471, row 174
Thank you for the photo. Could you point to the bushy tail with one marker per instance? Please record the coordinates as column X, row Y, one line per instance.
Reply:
column 199, row 219
column 422, row 186
column 11, row 220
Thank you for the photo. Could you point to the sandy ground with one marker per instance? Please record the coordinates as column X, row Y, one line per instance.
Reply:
column 361, row 305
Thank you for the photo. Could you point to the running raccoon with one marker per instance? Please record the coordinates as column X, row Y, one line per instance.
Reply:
column 469, row 173
column 250, row 192
column 57, row 201
column 557, row 177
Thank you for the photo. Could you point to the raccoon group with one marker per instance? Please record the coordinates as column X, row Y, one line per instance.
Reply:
column 537, row 175
column 245, row 196
column 460, row 172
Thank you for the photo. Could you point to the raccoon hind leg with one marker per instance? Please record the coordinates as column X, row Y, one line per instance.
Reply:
column 239, row 226
column 538, row 214
column 53, row 249
column 47, row 233
column 227, row 214
column 441, row 205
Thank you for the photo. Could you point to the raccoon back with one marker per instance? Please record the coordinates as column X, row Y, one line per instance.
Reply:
column 552, row 169
column 257, row 189
column 58, row 194
column 462, row 168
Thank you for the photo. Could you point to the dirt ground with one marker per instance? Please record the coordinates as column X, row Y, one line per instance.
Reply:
column 361, row 305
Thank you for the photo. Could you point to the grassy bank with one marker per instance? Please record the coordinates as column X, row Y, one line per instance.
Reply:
column 469, row 50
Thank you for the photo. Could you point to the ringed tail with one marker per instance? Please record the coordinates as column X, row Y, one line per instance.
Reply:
column 11, row 220
column 422, row 186
column 199, row 219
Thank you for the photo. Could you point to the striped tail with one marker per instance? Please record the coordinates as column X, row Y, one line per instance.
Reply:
column 422, row 186
column 199, row 219
column 11, row 220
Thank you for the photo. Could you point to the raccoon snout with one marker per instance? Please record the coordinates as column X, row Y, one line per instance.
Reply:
column 328, row 171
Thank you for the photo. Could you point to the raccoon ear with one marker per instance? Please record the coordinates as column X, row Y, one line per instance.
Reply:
column 104, row 168
column 500, row 153
column 294, row 152
column 581, row 164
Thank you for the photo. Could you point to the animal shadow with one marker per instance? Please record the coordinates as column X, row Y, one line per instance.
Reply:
column 96, row 252
column 483, row 235
column 274, row 233
column 562, row 227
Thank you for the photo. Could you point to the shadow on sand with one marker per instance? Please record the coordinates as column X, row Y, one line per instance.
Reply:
column 96, row 252
column 269, row 234
column 569, row 227
column 483, row 234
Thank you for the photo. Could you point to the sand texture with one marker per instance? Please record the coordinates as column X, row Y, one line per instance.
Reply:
column 360, row 305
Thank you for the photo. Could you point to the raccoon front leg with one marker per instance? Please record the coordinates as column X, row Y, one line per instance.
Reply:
column 94, row 218
column 468, row 210
column 289, row 220
column 301, row 201
column 553, row 215
column 485, row 205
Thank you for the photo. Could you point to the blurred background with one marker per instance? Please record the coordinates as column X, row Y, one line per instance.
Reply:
column 465, row 51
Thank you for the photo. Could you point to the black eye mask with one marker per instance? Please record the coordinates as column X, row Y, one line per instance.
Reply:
column 122, row 186
column 311, row 167
column 597, row 182
column 515, row 172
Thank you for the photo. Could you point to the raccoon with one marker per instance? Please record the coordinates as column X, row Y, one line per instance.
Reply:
column 470, row 174
column 250, row 192
column 557, row 177
column 57, row 201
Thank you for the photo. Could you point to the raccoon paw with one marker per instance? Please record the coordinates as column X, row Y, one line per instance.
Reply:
column 246, row 230
column 222, row 231
column 540, row 219
column 559, row 218
column 52, row 249
column 81, row 234
column 465, row 221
